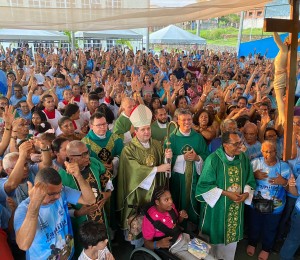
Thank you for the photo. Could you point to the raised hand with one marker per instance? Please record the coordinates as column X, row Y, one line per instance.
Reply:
column 37, row 193
column 24, row 148
column 9, row 115
column 292, row 181
column 72, row 168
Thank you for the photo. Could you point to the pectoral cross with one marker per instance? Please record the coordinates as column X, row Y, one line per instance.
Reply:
column 292, row 26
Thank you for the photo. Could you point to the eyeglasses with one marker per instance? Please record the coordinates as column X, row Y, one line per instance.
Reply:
column 101, row 125
column 54, row 193
column 296, row 123
column 82, row 155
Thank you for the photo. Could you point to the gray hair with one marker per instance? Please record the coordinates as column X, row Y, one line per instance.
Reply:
column 226, row 122
column 9, row 160
column 73, row 145
column 182, row 111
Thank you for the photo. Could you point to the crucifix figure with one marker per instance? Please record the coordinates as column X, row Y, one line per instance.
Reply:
column 280, row 77
column 289, row 57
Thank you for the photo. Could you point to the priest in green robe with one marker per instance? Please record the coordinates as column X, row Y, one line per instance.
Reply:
column 189, row 151
column 93, row 171
column 123, row 126
column 102, row 144
column 225, row 184
column 141, row 169
column 106, row 147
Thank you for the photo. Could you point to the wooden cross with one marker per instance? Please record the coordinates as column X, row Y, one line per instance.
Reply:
column 292, row 26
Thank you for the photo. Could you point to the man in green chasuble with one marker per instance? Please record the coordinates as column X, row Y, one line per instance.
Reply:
column 93, row 171
column 141, row 168
column 189, row 151
column 106, row 147
column 225, row 184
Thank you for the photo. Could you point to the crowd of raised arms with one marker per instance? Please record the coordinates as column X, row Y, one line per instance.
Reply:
column 84, row 137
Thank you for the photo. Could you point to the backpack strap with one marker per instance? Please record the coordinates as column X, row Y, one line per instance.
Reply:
column 169, row 232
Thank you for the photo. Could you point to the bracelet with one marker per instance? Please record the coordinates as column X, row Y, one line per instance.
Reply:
column 287, row 184
column 204, row 95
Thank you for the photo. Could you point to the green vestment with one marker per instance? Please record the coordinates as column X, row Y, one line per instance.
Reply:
column 103, row 149
column 183, row 185
column 121, row 126
column 136, row 164
column 225, row 221
column 158, row 133
column 97, row 169
column 112, row 143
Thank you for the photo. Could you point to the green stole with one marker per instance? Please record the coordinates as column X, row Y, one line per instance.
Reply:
column 183, row 186
column 69, row 181
column 233, row 177
column 224, row 222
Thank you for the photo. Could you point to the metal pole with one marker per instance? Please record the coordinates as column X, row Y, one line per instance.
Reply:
column 72, row 40
column 198, row 27
column 147, row 39
column 240, row 32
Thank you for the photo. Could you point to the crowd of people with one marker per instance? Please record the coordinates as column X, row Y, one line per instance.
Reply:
column 90, row 136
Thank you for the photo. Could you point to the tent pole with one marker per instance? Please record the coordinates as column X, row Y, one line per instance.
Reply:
column 240, row 32
column 147, row 39
column 72, row 40
column 198, row 28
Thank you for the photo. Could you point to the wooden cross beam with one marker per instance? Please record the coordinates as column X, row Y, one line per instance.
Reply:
column 292, row 26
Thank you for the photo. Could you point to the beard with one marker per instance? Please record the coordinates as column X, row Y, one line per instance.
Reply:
column 162, row 122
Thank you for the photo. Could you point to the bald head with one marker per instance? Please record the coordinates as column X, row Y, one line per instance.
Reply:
column 127, row 104
column 251, row 126
column 250, row 133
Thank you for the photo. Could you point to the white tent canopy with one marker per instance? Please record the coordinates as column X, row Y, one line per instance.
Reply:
column 31, row 35
column 94, row 15
column 175, row 35
column 109, row 34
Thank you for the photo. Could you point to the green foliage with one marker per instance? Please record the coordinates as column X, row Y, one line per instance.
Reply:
column 69, row 34
column 228, row 36
column 125, row 42
column 219, row 33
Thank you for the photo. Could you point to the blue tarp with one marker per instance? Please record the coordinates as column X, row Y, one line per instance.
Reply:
column 261, row 47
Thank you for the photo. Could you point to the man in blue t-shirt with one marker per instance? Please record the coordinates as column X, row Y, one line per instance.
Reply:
column 42, row 222
column 61, row 85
